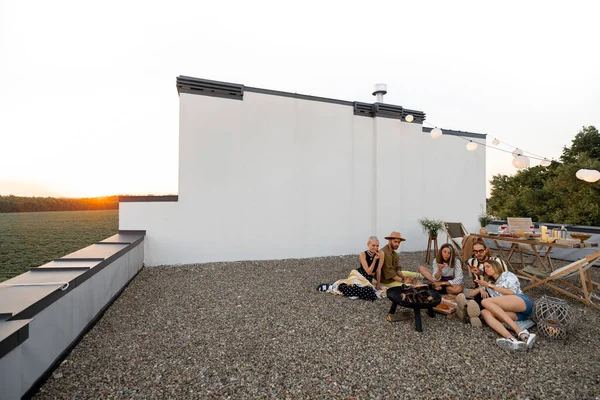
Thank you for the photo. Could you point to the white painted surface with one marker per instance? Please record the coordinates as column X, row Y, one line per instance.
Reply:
column 275, row 177
column 58, row 325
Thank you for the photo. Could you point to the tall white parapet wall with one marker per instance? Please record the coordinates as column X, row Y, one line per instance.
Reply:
column 269, row 175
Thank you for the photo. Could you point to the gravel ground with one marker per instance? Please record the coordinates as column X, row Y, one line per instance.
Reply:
column 259, row 329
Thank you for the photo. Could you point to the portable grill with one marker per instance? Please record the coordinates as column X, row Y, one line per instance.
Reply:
column 416, row 298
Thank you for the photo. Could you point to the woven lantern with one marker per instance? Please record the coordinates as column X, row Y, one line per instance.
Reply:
column 555, row 318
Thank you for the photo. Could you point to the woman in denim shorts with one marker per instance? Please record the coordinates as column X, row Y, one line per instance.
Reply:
column 504, row 302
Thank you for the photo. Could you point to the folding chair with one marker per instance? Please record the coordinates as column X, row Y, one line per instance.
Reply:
column 580, row 267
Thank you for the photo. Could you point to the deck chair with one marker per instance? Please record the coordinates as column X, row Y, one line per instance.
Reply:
column 455, row 234
column 580, row 267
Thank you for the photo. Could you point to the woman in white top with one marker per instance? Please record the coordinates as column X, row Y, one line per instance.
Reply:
column 504, row 302
column 447, row 275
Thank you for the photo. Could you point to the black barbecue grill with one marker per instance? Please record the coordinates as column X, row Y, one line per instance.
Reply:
column 416, row 298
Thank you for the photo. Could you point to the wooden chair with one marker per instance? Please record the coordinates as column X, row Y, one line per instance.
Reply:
column 580, row 267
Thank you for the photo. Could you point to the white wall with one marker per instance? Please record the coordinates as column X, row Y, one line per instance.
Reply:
column 277, row 177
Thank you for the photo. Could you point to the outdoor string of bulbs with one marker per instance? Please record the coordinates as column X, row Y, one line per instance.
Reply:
column 520, row 161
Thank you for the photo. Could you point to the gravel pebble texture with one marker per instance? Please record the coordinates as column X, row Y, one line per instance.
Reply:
column 259, row 329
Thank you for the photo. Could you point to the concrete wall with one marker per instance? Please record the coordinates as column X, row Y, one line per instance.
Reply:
column 275, row 177
column 58, row 325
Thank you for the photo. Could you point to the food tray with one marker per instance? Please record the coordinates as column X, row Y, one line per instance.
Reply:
column 446, row 307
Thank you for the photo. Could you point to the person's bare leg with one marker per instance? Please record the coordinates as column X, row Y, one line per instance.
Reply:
column 427, row 274
column 501, row 306
column 496, row 325
column 455, row 289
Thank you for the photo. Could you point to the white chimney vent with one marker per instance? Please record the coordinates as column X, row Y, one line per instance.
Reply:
column 380, row 90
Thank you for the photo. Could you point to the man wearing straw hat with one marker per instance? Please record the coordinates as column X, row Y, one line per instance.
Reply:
column 391, row 272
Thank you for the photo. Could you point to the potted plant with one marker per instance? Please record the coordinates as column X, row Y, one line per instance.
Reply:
column 431, row 226
column 484, row 220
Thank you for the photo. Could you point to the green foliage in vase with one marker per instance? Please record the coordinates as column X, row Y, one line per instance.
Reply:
column 431, row 227
column 484, row 219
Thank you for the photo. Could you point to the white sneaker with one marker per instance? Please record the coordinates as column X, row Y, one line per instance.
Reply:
column 511, row 344
column 527, row 338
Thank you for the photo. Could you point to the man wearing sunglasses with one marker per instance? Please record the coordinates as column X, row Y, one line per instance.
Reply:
column 481, row 254
column 472, row 308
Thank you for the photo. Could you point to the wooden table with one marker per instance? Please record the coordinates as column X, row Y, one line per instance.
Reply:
column 540, row 250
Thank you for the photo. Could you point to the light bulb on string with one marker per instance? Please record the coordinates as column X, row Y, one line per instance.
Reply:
column 495, row 142
column 436, row 133
column 588, row 175
column 594, row 176
column 409, row 118
column 545, row 162
column 471, row 146
column 520, row 162
column 517, row 152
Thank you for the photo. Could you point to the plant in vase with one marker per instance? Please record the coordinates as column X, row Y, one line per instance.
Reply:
column 431, row 226
column 484, row 220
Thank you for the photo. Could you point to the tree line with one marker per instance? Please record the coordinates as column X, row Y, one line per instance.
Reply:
column 553, row 194
column 9, row 204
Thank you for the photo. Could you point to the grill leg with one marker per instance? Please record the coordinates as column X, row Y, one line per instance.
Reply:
column 430, row 312
column 418, row 325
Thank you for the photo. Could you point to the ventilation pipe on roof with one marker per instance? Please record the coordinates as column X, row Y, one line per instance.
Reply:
column 380, row 90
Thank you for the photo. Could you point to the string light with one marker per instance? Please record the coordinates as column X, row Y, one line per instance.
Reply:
column 588, row 175
column 409, row 118
column 517, row 152
column 436, row 133
column 521, row 161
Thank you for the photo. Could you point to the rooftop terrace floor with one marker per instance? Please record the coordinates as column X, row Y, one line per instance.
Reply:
column 260, row 329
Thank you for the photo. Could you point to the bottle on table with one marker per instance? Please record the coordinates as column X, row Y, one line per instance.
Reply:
column 563, row 232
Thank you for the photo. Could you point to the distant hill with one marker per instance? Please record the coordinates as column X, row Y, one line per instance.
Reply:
column 9, row 204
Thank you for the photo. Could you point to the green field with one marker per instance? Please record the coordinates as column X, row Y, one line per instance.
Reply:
column 31, row 239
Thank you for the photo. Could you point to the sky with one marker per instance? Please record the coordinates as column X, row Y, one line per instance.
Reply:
column 89, row 107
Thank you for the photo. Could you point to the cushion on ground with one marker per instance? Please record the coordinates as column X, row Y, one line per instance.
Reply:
column 523, row 324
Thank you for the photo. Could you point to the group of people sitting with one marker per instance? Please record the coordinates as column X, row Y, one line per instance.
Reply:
column 496, row 296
